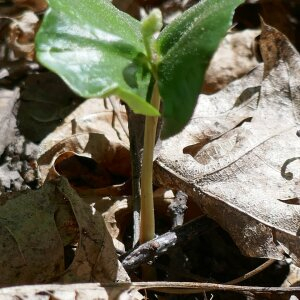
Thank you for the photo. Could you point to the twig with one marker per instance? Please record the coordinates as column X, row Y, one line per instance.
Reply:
column 135, row 125
column 201, row 279
column 147, row 251
column 93, row 290
column 193, row 288
column 257, row 270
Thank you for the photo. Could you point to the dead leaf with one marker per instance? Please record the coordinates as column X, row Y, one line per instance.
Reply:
column 36, row 225
column 250, row 159
column 92, row 115
column 45, row 102
column 131, row 7
column 8, row 100
column 21, row 35
column 90, row 148
column 233, row 59
column 99, row 161
column 124, row 291
column 95, row 258
column 31, row 249
column 34, row 5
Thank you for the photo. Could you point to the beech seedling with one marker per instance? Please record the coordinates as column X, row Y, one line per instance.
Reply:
column 99, row 50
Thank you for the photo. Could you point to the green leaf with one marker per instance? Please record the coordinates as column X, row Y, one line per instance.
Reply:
column 92, row 45
column 186, row 47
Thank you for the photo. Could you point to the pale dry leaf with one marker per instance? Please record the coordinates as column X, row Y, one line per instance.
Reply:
column 92, row 115
column 8, row 100
column 116, row 211
column 293, row 277
column 245, row 176
column 21, row 35
column 110, row 217
column 106, row 158
column 92, row 130
column 233, row 59
column 72, row 292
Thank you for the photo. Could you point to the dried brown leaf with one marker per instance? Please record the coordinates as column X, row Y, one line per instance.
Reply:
column 250, row 159
column 34, row 5
column 233, row 59
column 21, row 35
column 8, row 100
column 90, row 147
column 45, row 102
column 73, row 291
column 36, row 225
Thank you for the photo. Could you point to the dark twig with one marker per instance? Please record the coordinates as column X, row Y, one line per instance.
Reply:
column 135, row 126
column 252, row 273
column 147, row 251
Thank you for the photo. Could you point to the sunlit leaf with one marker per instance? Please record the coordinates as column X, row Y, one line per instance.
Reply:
column 186, row 47
column 91, row 44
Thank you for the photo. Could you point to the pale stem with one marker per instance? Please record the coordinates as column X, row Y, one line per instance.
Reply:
column 147, row 231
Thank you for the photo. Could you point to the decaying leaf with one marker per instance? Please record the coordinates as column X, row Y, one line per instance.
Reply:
column 233, row 59
column 8, row 100
column 35, row 226
column 91, row 148
column 124, row 291
column 34, row 5
column 240, row 162
column 95, row 258
column 45, row 102
column 21, row 35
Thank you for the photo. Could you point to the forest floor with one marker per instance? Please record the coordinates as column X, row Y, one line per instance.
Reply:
column 59, row 152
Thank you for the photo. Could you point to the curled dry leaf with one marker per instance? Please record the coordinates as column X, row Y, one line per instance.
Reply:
column 21, row 35
column 36, row 225
column 97, row 138
column 93, row 115
column 95, row 258
column 241, row 162
column 91, row 150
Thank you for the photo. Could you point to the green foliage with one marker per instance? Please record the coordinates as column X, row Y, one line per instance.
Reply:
column 97, row 49
column 186, row 47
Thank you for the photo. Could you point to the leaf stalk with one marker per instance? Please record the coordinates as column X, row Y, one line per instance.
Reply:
column 147, row 231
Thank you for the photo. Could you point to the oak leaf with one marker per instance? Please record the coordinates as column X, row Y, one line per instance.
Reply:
column 239, row 157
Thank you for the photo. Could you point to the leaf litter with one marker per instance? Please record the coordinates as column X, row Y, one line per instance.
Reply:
column 238, row 159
